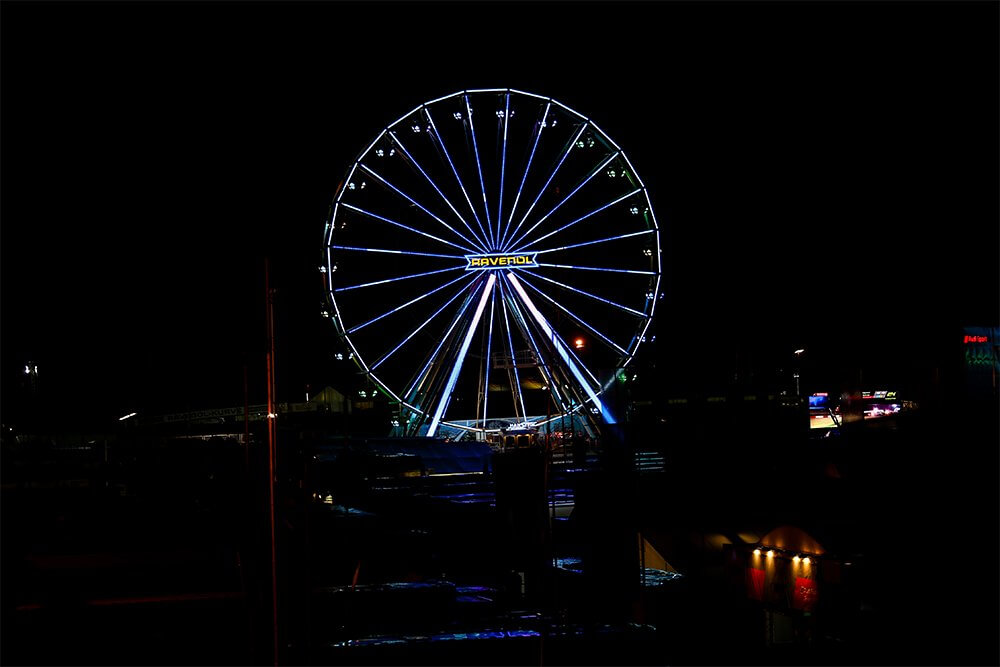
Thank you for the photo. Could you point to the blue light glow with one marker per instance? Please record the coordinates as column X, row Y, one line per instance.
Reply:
column 576, row 318
column 392, row 280
column 479, row 242
column 417, row 204
column 457, row 367
column 489, row 345
column 605, row 240
column 408, row 303
column 565, row 199
column 458, row 178
column 510, row 218
column 406, row 227
column 503, row 163
column 598, row 268
column 581, row 218
column 561, row 349
column 510, row 340
column 592, row 296
column 475, row 148
column 565, row 155
column 395, row 252
column 425, row 323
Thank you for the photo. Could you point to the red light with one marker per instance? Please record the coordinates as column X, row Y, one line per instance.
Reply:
column 578, row 343
column 975, row 339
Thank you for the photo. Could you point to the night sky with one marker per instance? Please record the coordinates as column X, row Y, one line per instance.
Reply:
column 825, row 174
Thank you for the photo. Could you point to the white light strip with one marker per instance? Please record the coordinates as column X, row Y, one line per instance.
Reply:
column 561, row 349
column 453, row 378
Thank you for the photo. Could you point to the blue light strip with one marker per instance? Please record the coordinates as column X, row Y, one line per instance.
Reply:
column 551, row 176
column 543, row 367
column 503, row 163
column 457, row 367
column 510, row 218
column 395, row 252
column 392, row 280
column 489, row 346
column 482, row 184
column 480, row 242
column 576, row 318
column 418, row 205
column 406, row 227
column 605, row 240
column 598, row 268
column 408, row 303
column 592, row 296
column 566, row 198
column 417, row 381
column 561, row 349
column 437, row 312
column 513, row 360
column 458, row 178
column 581, row 218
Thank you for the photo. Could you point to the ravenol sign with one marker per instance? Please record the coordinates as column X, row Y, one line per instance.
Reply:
column 503, row 260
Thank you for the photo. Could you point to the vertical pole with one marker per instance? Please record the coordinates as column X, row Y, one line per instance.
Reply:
column 271, row 450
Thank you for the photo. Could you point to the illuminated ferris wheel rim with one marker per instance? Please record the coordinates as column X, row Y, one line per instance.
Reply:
column 489, row 247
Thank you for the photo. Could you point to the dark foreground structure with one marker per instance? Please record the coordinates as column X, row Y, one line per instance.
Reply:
column 717, row 533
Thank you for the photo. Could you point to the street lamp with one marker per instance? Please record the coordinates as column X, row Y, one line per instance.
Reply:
column 798, row 356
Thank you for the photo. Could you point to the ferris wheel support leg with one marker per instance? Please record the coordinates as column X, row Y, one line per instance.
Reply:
column 453, row 377
column 561, row 349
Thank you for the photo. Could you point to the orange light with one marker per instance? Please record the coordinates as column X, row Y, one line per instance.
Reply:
column 770, row 554
column 756, row 552
column 578, row 343
column 806, row 560
column 796, row 558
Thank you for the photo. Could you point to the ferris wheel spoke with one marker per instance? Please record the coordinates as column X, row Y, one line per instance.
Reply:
column 503, row 164
column 392, row 280
column 550, row 382
column 376, row 216
column 598, row 268
column 566, row 198
column 576, row 318
column 517, row 198
column 413, row 333
column 395, row 252
column 408, row 303
column 489, row 345
column 459, row 361
column 516, row 384
column 633, row 311
column 479, row 168
column 562, row 349
column 416, row 203
column 454, row 171
column 604, row 240
column 569, row 149
column 479, row 242
column 418, row 379
column 581, row 219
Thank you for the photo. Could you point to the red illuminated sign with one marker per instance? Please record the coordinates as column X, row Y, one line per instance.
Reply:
column 975, row 339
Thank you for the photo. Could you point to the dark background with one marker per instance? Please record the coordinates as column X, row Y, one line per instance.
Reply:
column 825, row 176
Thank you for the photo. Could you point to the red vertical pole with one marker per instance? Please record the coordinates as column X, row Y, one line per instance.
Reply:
column 271, row 431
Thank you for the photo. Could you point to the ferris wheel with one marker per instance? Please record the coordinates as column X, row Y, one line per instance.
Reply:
column 492, row 259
